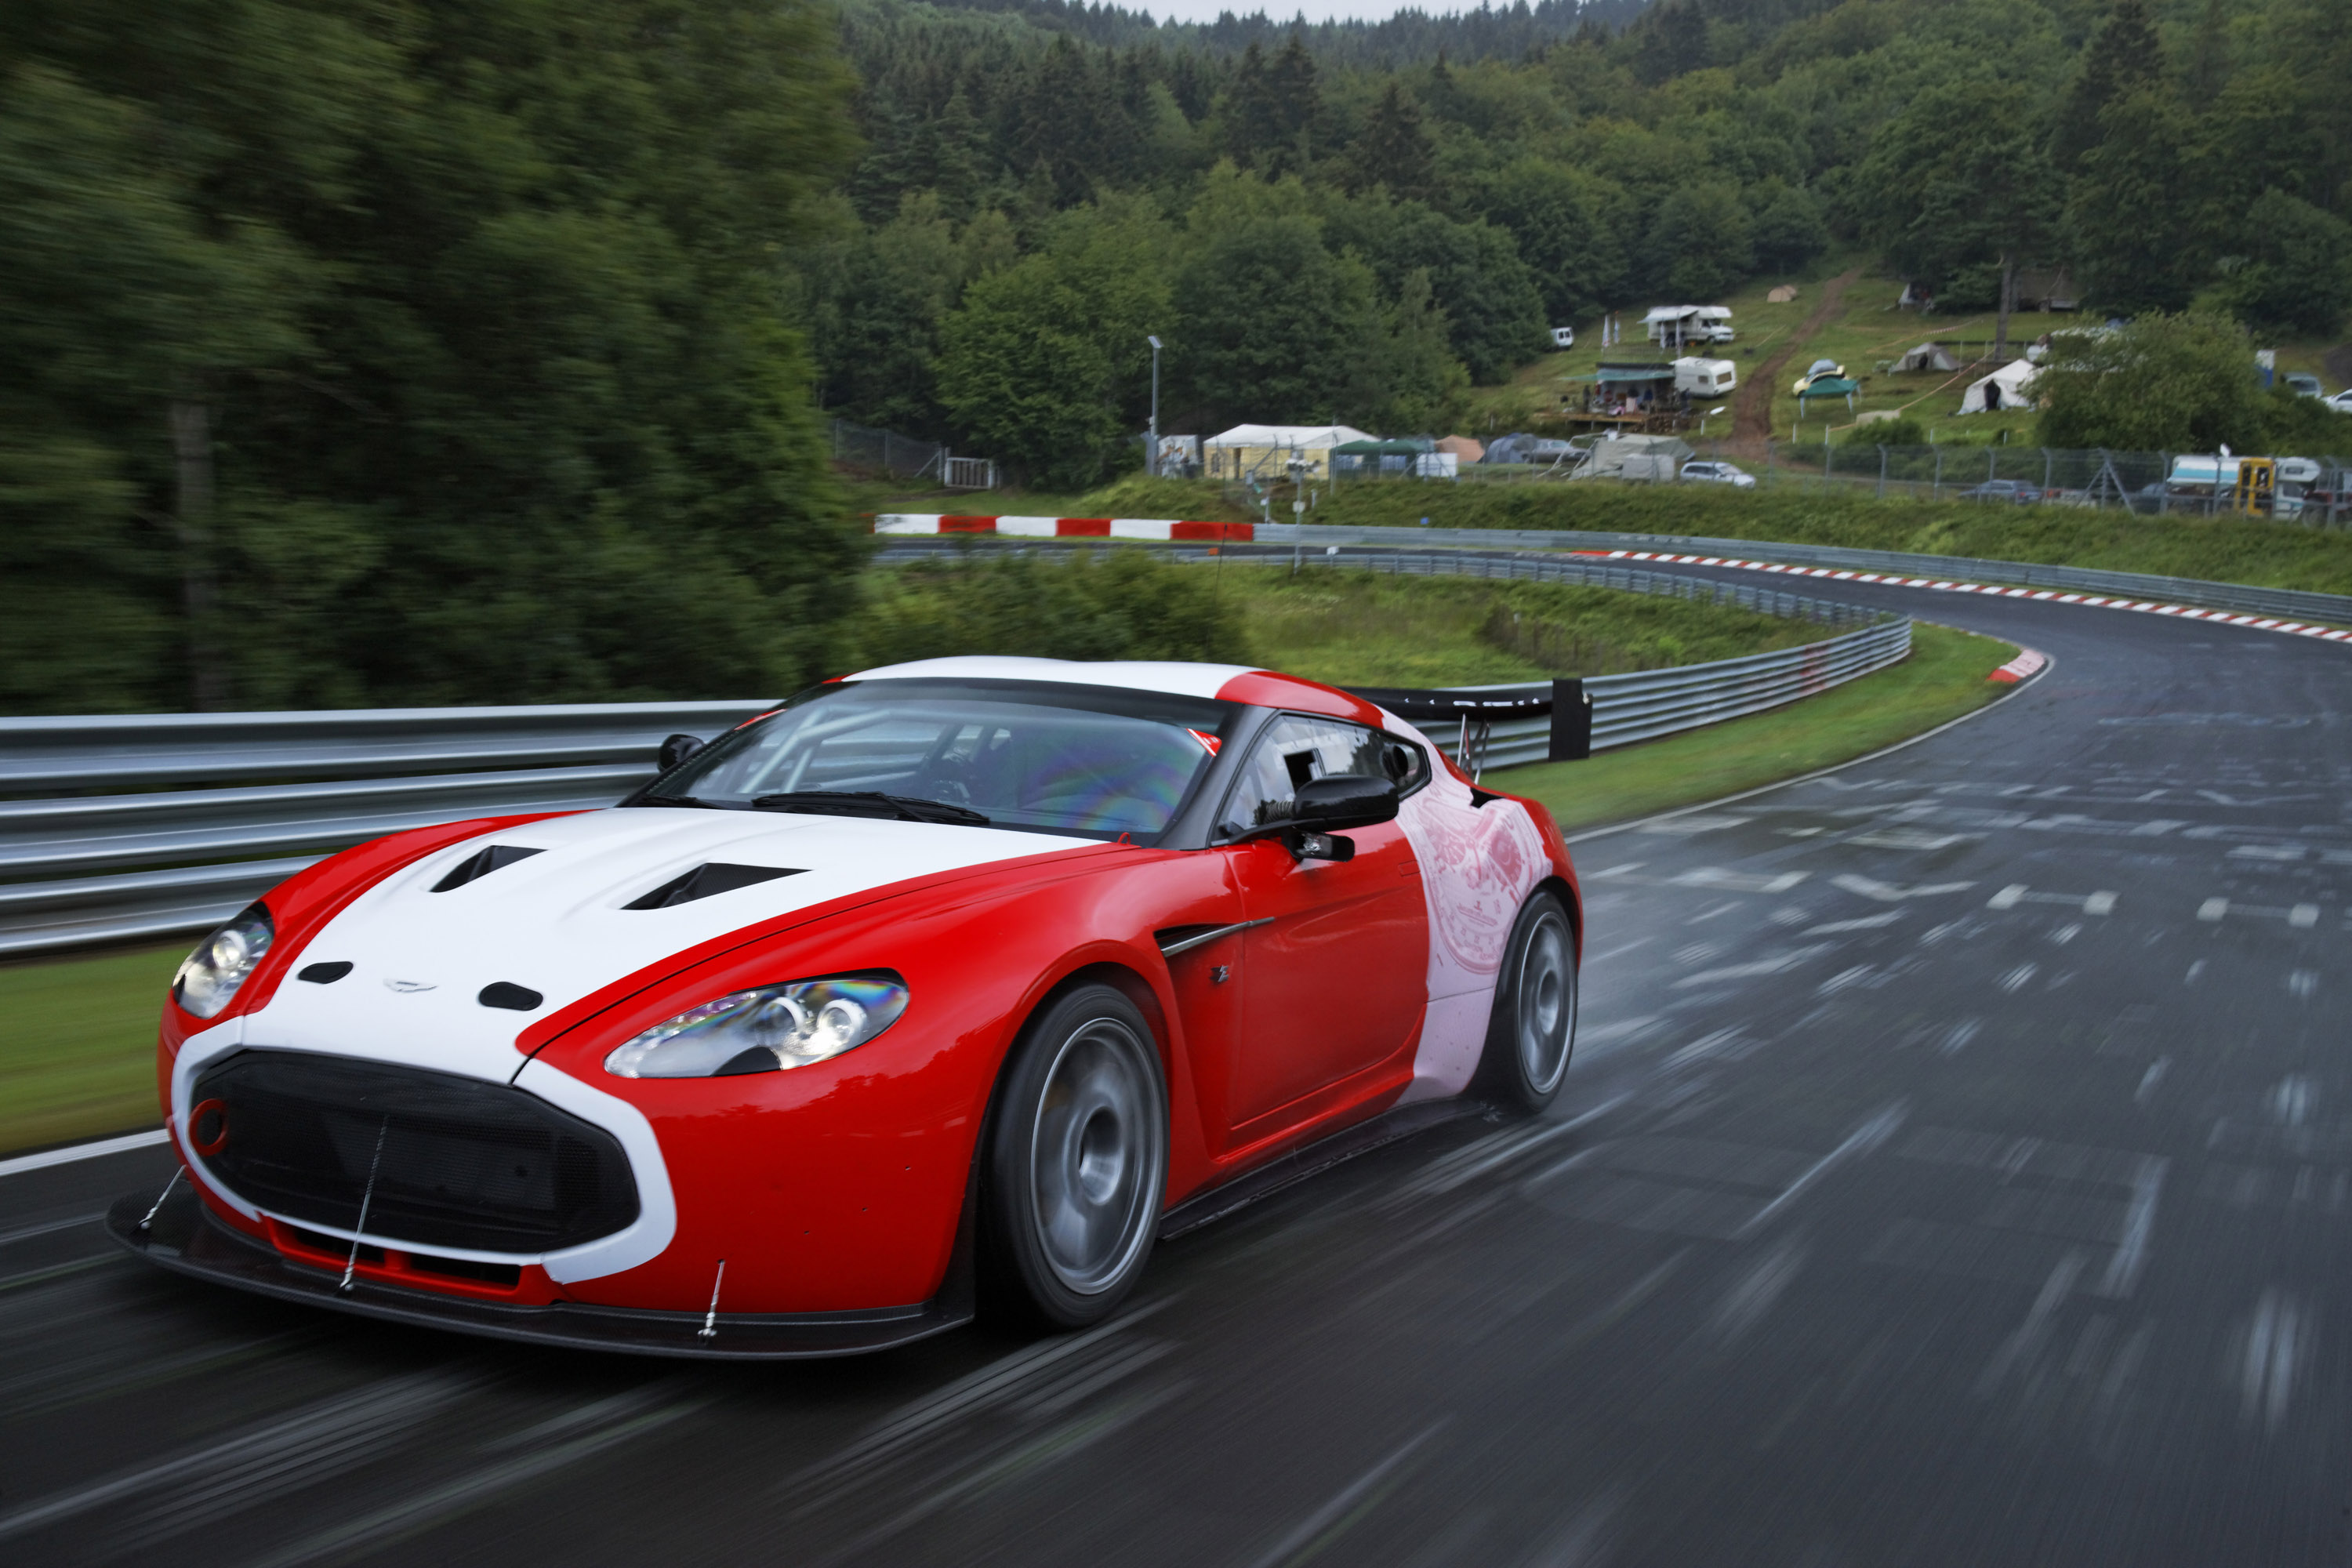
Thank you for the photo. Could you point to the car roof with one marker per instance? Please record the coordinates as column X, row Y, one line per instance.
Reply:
column 1229, row 682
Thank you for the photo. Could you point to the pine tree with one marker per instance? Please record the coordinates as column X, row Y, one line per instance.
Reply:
column 2123, row 58
column 1393, row 150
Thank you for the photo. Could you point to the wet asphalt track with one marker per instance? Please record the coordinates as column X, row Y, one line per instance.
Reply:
column 1956, row 1167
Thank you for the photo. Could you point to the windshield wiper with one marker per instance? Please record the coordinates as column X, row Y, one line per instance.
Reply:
column 677, row 800
column 870, row 803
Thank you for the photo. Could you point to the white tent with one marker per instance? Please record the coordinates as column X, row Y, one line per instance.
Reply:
column 1637, row 458
column 1927, row 356
column 1306, row 437
column 2011, row 380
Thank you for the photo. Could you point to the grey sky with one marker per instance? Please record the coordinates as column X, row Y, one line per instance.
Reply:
column 1314, row 10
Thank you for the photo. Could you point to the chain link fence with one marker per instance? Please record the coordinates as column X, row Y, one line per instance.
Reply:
column 905, row 458
column 2314, row 490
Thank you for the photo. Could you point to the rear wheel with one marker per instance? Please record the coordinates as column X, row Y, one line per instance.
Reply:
column 1534, row 1026
column 1077, row 1161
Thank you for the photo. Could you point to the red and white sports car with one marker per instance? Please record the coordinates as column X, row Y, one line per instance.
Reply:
column 951, row 981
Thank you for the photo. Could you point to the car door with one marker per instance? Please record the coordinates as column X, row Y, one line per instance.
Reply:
column 1335, row 961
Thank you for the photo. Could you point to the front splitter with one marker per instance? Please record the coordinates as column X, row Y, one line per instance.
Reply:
column 184, row 1237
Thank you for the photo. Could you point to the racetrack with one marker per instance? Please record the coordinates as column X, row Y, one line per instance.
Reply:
column 1954, row 1169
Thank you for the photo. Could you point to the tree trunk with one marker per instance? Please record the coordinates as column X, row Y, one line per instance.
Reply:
column 192, row 449
column 2008, row 302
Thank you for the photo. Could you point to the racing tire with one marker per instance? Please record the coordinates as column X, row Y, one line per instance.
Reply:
column 1076, row 1164
column 1533, row 1030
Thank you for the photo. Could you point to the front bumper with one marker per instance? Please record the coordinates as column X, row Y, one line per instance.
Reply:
column 186, row 1238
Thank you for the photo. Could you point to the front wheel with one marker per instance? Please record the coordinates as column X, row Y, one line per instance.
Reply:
column 1534, row 1025
column 1077, row 1161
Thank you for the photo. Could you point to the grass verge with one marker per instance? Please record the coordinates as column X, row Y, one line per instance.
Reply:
column 77, row 1057
column 78, row 1052
column 1943, row 679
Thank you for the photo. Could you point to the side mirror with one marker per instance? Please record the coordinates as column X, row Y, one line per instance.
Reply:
column 1350, row 800
column 677, row 748
column 1323, row 807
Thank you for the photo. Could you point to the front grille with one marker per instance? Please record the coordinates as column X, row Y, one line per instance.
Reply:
column 457, row 1163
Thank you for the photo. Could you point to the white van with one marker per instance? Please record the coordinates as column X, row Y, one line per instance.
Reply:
column 1563, row 337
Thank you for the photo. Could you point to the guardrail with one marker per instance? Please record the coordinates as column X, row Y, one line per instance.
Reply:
column 2294, row 603
column 99, row 844
column 103, row 851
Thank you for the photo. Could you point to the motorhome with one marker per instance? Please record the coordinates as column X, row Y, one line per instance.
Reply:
column 1678, row 324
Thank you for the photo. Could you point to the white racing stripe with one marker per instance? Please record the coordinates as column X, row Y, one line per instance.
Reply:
column 67, row 1155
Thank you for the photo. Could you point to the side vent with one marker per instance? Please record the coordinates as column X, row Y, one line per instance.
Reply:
column 481, row 863
column 705, row 880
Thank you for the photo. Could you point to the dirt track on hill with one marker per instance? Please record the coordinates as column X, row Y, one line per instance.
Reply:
column 1751, row 410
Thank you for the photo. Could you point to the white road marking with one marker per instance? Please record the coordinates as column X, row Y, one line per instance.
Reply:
column 2150, row 1079
column 1842, row 979
column 2212, row 909
column 1511, row 1145
column 1876, row 1130
column 104, row 1146
column 2304, row 916
column 1752, row 1295
column 30, row 1231
column 1774, row 966
column 2139, row 1222
column 2195, row 970
column 1331, row 1512
column 2014, row 981
column 1961, row 1033
column 2102, row 902
column 1888, row 893
column 2303, row 982
column 1867, row 923
column 2277, row 1340
column 2030, row 1335
column 1618, row 951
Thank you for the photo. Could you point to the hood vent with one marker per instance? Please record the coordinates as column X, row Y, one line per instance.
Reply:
column 481, row 863
column 705, row 880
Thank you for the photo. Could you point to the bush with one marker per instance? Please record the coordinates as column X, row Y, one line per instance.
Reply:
column 1901, row 432
column 1127, row 602
column 2158, row 384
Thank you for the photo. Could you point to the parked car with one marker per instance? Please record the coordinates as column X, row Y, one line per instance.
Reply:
column 1563, row 337
column 2017, row 492
column 918, row 977
column 2304, row 386
column 2341, row 402
column 1719, row 473
column 1821, row 369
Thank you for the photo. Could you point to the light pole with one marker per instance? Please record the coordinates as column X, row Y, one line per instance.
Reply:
column 1152, row 452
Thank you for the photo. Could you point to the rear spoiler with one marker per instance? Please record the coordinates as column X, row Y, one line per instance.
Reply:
column 1568, row 705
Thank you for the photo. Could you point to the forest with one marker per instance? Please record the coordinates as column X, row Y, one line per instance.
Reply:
column 414, row 352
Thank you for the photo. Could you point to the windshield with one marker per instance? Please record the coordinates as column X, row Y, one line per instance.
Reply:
column 1089, row 761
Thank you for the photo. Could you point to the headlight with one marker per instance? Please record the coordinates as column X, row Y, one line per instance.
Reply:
column 764, row 1030
column 209, row 976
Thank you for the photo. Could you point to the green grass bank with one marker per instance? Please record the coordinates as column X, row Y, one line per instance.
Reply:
column 2262, row 554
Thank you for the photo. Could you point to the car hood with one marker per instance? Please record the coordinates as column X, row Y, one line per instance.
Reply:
column 557, row 923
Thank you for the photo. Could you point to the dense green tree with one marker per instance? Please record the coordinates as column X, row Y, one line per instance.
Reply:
column 2137, row 218
column 1959, row 182
column 2158, row 383
column 1496, row 314
column 2296, row 274
column 1558, row 217
column 1790, row 229
column 1393, row 150
column 1271, row 322
column 1046, row 363
column 462, row 373
column 1700, row 242
column 2123, row 56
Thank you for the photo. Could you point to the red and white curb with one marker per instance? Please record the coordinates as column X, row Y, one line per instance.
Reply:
column 2027, row 664
column 2149, row 606
column 1158, row 528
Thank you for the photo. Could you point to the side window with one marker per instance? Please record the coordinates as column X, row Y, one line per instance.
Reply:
column 1296, row 748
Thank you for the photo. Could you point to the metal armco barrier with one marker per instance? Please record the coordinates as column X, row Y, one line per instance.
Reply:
column 2287, row 602
column 102, row 849
column 1652, row 702
column 100, row 840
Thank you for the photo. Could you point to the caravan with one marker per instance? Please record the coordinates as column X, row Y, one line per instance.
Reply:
column 1679, row 324
column 1705, row 377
